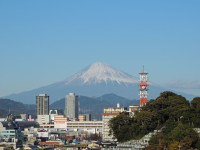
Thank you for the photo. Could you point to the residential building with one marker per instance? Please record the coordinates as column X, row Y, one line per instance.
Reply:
column 88, row 126
column 42, row 104
column 133, row 109
column 60, row 121
column 71, row 106
column 84, row 117
column 43, row 119
column 81, row 117
column 109, row 113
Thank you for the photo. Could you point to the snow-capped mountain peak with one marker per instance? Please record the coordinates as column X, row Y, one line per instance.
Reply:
column 101, row 72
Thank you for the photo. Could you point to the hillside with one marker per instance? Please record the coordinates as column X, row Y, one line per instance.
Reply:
column 92, row 105
column 9, row 106
column 174, row 117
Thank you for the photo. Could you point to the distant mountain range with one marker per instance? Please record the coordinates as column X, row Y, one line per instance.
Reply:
column 12, row 107
column 96, row 80
column 95, row 105
column 91, row 105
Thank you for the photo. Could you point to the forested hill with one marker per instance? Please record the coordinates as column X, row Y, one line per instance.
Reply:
column 171, row 113
column 9, row 106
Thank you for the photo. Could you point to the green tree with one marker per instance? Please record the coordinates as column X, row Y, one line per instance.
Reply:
column 196, row 104
column 184, row 135
column 170, row 112
column 120, row 127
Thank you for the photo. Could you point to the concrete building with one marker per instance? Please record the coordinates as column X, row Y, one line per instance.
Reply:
column 42, row 104
column 60, row 121
column 43, row 119
column 84, row 117
column 71, row 106
column 81, row 117
column 87, row 126
column 133, row 109
column 109, row 113
column 9, row 129
column 52, row 113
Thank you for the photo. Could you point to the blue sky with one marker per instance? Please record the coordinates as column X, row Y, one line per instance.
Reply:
column 42, row 42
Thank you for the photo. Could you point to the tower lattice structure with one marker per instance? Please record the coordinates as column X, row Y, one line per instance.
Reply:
column 143, row 88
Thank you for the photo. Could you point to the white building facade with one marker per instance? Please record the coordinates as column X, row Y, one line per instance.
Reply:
column 109, row 113
column 71, row 106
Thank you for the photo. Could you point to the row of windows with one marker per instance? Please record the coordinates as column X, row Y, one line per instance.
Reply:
column 6, row 131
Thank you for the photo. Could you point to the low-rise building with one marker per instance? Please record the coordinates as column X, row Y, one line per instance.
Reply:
column 52, row 114
column 133, row 109
column 43, row 119
column 81, row 117
column 60, row 121
column 88, row 126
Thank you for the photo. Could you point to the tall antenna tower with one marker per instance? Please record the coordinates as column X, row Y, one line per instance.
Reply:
column 143, row 88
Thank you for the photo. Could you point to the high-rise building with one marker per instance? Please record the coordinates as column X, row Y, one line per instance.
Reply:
column 71, row 106
column 42, row 104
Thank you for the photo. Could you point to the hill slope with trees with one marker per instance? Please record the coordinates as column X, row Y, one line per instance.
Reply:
column 8, row 106
column 170, row 112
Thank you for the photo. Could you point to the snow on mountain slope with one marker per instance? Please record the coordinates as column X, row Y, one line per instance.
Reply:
column 101, row 72
column 95, row 80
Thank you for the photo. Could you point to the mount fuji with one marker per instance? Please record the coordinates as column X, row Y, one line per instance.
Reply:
column 95, row 80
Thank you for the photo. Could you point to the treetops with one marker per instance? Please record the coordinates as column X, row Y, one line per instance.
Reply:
column 169, row 111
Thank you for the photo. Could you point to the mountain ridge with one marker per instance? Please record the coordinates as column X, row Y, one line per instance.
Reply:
column 95, row 80
column 95, row 105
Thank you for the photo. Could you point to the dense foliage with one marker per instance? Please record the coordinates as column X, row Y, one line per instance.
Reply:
column 170, row 112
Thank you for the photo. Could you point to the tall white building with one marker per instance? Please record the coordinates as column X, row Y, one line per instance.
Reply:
column 71, row 106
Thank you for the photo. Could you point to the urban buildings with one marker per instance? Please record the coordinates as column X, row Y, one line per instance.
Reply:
column 133, row 109
column 71, row 106
column 84, row 117
column 109, row 113
column 52, row 113
column 42, row 104
column 42, row 108
column 61, row 122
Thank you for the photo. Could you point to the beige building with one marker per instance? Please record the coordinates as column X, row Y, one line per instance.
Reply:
column 133, row 109
column 109, row 113
column 81, row 118
column 60, row 121
column 43, row 119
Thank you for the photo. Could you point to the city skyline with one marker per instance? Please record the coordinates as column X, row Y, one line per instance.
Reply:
column 45, row 42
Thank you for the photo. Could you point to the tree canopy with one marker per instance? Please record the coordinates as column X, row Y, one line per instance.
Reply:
column 170, row 112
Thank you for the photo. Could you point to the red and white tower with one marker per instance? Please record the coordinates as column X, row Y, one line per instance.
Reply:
column 143, row 88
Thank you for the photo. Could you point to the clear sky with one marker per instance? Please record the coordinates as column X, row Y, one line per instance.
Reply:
column 42, row 42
